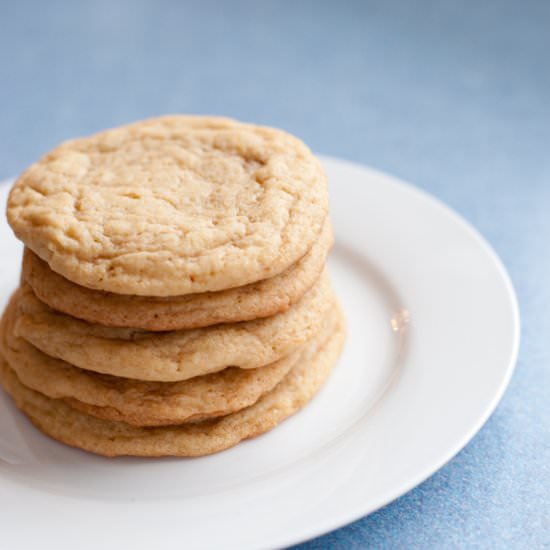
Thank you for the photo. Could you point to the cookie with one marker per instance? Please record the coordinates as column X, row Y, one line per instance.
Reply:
column 64, row 423
column 261, row 299
column 171, row 206
column 176, row 355
column 136, row 402
column 132, row 401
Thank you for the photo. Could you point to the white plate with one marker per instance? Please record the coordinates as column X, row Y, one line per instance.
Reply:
column 433, row 339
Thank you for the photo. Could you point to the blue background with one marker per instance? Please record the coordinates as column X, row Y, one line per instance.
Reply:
column 453, row 96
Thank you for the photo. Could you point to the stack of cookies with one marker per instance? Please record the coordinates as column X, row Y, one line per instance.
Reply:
column 173, row 298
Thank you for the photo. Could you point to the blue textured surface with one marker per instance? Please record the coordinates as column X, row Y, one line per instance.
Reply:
column 453, row 96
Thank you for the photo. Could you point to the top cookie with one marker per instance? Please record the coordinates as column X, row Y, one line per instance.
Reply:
column 172, row 206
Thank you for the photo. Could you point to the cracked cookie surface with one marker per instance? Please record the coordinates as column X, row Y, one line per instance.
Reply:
column 172, row 206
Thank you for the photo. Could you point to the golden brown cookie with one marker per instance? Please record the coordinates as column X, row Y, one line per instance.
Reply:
column 66, row 424
column 176, row 355
column 133, row 401
column 171, row 206
column 244, row 303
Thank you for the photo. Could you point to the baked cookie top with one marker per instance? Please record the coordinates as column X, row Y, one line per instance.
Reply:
column 171, row 206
